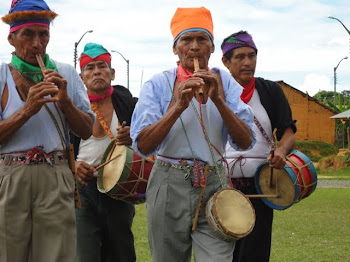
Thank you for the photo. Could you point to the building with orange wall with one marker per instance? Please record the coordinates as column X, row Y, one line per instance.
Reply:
column 313, row 117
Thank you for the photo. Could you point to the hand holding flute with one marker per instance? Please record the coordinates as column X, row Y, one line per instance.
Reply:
column 55, row 78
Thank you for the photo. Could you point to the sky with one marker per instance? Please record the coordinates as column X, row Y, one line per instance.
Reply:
column 297, row 42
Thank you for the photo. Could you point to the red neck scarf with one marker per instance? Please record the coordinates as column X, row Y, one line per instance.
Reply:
column 248, row 91
column 95, row 98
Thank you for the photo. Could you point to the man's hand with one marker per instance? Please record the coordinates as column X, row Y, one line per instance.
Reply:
column 84, row 172
column 187, row 90
column 123, row 137
column 60, row 82
column 38, row 95
column 211, row 84
column 277, row 159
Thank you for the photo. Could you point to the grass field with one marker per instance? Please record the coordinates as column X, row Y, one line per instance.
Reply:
column 317, row 229
column 341, row 174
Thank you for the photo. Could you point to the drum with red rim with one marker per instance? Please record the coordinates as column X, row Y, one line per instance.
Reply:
column 125, row 177
column 296, row 181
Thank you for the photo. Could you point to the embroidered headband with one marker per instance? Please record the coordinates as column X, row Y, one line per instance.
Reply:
column 28, row 12
column 236, row 40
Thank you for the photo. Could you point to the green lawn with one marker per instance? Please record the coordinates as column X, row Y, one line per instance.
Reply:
column 341, row 174
column 317, row 229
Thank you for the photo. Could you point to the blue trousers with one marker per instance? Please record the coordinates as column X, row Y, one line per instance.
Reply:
column 104, row 227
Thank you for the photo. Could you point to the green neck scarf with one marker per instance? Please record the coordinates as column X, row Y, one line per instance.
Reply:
column 30, row 71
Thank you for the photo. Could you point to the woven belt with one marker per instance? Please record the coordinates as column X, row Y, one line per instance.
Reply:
column 185, row 167
column 197, row 170
column 25, row 158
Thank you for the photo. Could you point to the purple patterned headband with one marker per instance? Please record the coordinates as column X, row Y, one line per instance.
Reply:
column 240, row 39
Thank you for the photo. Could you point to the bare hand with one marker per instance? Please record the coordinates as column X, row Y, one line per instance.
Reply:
column 38, row 95
column 59, row 81
column 278, row 160
column 123, row 137
column 187, row 90
column 84, row 172
column 211, row 84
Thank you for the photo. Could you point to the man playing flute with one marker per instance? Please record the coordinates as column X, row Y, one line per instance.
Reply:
column 187, row 132
column 37, row 214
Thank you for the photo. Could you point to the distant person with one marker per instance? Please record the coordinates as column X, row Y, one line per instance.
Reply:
column 103, row 223
column 272, row 111
column 38, row 108
column 187, row 136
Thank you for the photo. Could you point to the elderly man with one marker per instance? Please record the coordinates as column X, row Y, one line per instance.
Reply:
column 272, row 112
column 103, row 223
column 187, row 132
column 37, row 217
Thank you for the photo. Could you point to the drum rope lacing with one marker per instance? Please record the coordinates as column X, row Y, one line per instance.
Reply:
column 305, row 186
column 213, row 223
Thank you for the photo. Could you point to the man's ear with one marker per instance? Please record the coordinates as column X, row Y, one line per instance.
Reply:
column 113, row 73
column 174, row 49
column 213, row 48
column 10, row 38
column 226, row 62
column 82, row 77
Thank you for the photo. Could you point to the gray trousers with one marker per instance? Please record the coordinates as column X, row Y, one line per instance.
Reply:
column 37, row 220
column 171, row 202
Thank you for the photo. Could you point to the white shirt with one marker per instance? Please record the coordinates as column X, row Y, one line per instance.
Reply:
column 252, row 158
column 92, row 150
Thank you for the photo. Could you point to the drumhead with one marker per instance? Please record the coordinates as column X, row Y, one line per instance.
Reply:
column 282, row 185
column 230, row 214
column 235, row 212
column 109, row 175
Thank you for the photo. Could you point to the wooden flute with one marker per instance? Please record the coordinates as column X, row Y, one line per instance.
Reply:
column 40, row 62
column 196, row 68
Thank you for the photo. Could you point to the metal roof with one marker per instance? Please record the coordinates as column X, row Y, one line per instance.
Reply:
column 343, row 115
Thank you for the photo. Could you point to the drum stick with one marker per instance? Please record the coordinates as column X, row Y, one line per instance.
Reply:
column 196, row 68
column 261, row 196
column 105, row 163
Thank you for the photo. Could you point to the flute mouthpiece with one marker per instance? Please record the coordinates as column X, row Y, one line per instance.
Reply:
column 196, row 64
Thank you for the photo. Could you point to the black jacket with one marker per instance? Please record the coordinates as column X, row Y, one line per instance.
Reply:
column 123, row 103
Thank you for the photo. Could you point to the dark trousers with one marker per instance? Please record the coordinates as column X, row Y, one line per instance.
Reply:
column 256, row 246
column 104, row 227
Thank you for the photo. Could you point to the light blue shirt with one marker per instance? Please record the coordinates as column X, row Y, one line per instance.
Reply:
column 40, row 130
column 186, row 139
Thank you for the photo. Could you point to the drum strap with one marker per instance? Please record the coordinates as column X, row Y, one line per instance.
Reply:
column 200, row 199
column 101, row 120
column 271, row 143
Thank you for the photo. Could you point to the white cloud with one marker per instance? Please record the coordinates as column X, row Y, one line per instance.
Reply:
column 314, row 83
column 297, row 41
